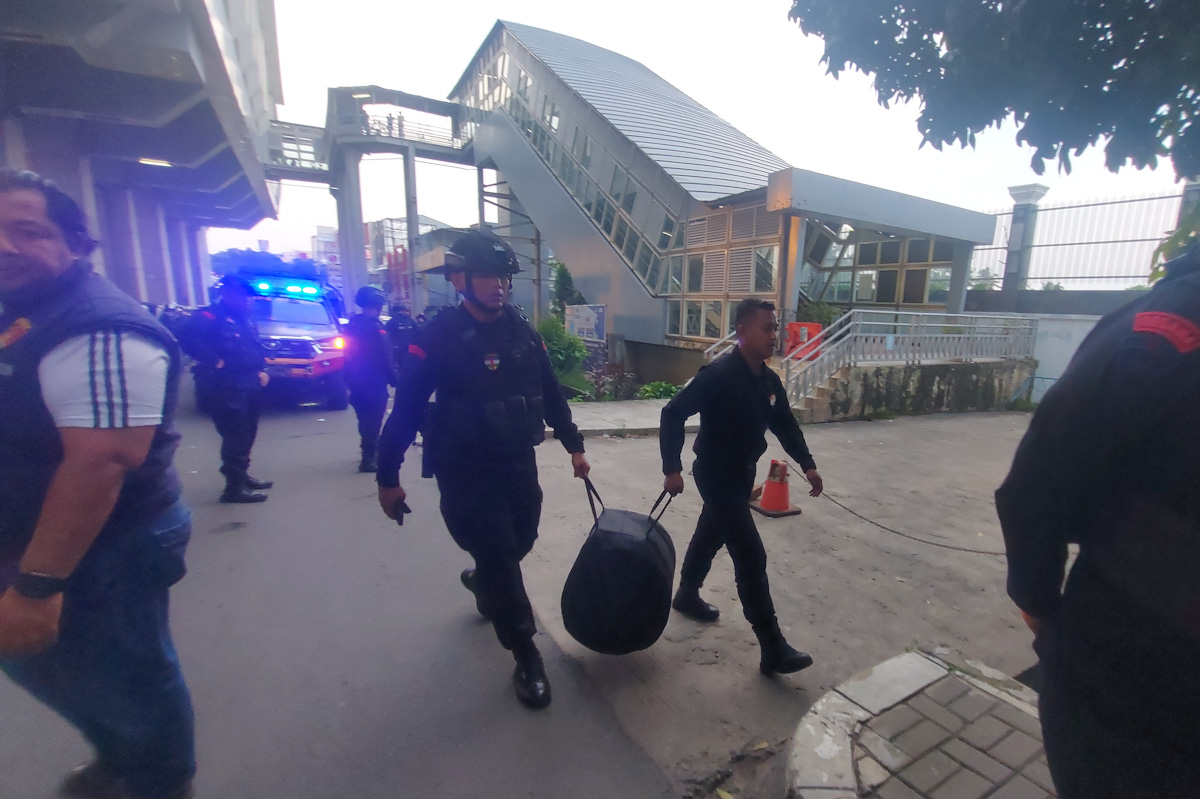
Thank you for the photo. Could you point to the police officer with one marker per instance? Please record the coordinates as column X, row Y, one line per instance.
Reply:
column 224, row 341
column 1111, row 462
column 738, row 398
column 369, row 371
column 92, row 524
column 495, row 388
column 401, row 330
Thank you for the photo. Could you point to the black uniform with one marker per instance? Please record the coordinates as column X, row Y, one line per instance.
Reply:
column 219, row 334
column 1111, row 462
column 736, row 409
column 369, row 372
column 402, row 331
column 495, row 390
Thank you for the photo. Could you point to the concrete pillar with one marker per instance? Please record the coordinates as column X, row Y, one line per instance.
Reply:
column 91, row 209
column 120, row 240
column 156, row 280
column 791, row 256
column 419, row 298
column 196, row 243
column 351, row 244
column 1020, row 241
column 960, row 276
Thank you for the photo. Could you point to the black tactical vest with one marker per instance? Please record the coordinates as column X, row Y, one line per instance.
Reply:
column 78, row 303
column 489, row 390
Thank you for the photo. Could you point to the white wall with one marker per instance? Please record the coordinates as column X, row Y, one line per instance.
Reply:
column 1058, row 338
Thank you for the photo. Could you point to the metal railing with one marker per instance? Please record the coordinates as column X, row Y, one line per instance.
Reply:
column 394, row 126
column 862, row 336
column 714, row 351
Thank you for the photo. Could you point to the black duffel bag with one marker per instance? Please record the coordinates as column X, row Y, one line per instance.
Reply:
column 617, row 597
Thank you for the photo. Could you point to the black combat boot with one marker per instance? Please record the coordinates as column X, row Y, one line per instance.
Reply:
column 529, row 678
column 369, row 463
column 688, row 602
column 254, row 484
column 778, row 656
column 468, row 581
column 237, row 491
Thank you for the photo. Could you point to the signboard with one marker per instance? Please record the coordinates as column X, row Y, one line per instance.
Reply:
column 586, row 321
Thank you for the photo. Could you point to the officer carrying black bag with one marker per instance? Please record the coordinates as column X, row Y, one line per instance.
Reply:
column 617, row 597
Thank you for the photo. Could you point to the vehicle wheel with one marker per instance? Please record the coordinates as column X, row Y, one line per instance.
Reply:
column 337, row 396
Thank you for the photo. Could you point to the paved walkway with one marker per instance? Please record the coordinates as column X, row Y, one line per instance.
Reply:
column 617, row 419
column 921, row 726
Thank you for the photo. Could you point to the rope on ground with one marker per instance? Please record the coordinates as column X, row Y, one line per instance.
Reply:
column 885, row 528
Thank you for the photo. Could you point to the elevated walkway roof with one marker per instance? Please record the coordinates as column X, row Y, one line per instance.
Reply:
column 706, row 155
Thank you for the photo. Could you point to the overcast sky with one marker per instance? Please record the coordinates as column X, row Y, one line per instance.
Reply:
column 751, row 66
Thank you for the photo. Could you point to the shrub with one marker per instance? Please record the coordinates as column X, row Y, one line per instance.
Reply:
column 659, row 389
column 617, row 385
column 820, row 312
column 566, row 351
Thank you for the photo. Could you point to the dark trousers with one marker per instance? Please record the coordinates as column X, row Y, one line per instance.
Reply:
column 1119, row 698
column 114, row 673
column 236, row 417
column 492, row 511
column 370, row 406
column 725, row 521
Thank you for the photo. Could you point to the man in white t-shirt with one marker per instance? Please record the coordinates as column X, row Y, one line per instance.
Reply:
column 92, row 524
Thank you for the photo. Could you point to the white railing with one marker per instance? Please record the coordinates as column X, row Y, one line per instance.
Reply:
column 723, row 346
column 394, row 126
column 862, row 336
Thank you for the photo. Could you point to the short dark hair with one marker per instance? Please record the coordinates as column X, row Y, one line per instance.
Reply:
column 63, row 211
column 747, row 307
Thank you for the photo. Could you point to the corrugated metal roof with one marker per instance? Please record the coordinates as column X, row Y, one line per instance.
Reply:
column 705, row 154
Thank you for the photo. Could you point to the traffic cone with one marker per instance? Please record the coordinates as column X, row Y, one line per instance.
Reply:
column 774, row 500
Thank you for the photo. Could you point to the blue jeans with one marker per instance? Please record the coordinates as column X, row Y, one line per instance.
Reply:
column 114, row 673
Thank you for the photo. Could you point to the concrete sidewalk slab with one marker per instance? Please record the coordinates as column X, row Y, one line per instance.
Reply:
column 921, row 726
column 622, row 418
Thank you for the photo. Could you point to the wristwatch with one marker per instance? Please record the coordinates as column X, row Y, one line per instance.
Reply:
column 32, row 585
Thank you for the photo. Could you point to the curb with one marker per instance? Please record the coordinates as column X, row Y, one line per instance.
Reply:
column 821, row 759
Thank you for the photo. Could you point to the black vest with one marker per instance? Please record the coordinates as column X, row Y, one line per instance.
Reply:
column 489, row 390
column 78, row 303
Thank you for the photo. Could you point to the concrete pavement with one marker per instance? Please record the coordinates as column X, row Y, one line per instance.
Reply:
column 332, row 654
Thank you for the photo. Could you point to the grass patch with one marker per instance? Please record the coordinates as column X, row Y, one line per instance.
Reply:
column 881, row 414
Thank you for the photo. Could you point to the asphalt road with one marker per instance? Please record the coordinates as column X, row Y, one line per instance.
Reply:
column 332, row 654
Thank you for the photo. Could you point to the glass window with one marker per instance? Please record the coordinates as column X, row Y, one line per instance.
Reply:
column 631, row 245
column 868, row 254
column 668, row 232
column 943, row 250
column 630, row 196
column 764, row 268
column 939, row 286
column 674, row 308
column 889, row 252
column 617, row 185
column 621, row 233
column 695, row 274
column 712, row 319
column 587, row 194
column 524, row 84
column 642, row 265
column 610, row 213
column 691, row 326
column 577, row 142
column 654, row 270
column 888, row 283
column 918, row 251
column 914, row 286
column 864, row 290
column 674, row 275
column 585, row 158
column 840, row 286
column 598, row 207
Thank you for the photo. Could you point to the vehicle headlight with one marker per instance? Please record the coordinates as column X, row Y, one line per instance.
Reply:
column 328, row 344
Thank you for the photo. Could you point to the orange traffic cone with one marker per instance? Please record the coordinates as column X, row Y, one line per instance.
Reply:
column 774, row 500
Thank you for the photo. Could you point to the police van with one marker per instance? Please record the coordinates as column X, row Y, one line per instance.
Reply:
column 302, row 335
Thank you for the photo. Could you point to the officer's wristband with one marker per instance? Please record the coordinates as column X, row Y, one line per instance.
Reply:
column 33, row 585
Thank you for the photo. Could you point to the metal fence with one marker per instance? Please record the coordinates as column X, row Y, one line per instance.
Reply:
column 394, row 126
column 863, row 336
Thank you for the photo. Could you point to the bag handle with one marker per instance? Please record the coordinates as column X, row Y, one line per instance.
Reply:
column 592, row 492
column 664, row 507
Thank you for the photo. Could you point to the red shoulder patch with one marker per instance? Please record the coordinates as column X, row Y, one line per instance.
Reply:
column 207, row 315
column 1183, row 333
column 413, row 349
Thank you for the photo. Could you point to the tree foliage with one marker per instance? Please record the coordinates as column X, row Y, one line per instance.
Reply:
column 1070, row 72
column 566, row 350
column 565, row 292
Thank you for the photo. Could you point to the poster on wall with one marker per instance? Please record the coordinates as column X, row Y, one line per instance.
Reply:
column 587, row 322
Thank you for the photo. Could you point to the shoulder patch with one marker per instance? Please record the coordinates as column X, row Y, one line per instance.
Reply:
column 207, row 315
column 1183, row 333
column 413, row 349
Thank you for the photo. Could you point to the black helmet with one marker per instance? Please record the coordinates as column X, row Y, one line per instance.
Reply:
column 237, row 282
column 482, row 252
column 370, row 297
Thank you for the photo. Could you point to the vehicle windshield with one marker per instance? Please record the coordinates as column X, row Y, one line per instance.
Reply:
column 289, row 311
